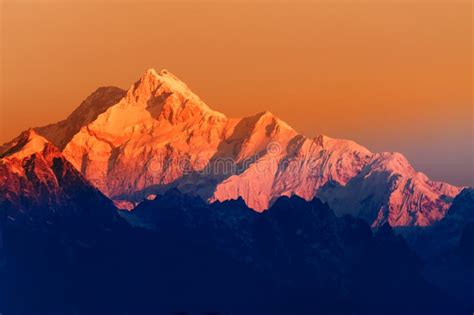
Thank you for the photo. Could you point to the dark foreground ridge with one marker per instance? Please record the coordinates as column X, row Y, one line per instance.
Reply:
column 223, row 258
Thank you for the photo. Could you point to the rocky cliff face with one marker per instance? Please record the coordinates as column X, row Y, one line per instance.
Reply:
column 159, row 134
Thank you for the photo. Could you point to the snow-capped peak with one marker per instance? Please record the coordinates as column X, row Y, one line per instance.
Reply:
column 26, row 144
column 152, row 72
column 157, row 87
column 151, row 80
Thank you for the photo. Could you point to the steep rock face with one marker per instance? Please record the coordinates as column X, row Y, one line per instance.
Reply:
column 38, row 185
column 388, row 190
column 299, row 166
column 159, row 135
column 381, row 188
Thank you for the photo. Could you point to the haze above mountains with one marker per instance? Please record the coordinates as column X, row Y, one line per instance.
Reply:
column 158, row 134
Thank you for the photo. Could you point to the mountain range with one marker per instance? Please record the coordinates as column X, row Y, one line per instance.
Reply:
column 297, row 257
column 158, row 134
column 241, row 216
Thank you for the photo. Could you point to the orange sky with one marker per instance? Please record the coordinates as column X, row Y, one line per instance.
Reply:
column 392, row 75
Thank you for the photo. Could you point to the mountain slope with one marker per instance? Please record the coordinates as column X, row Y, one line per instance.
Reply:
column 61, row 133
column 161, row 135
column 61, row 239
column 400, row 195
column 39, row 186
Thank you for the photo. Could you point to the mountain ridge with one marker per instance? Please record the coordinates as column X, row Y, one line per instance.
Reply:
column 159, row 134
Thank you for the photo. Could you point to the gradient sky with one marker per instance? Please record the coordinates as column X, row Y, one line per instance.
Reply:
column 391, row 75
